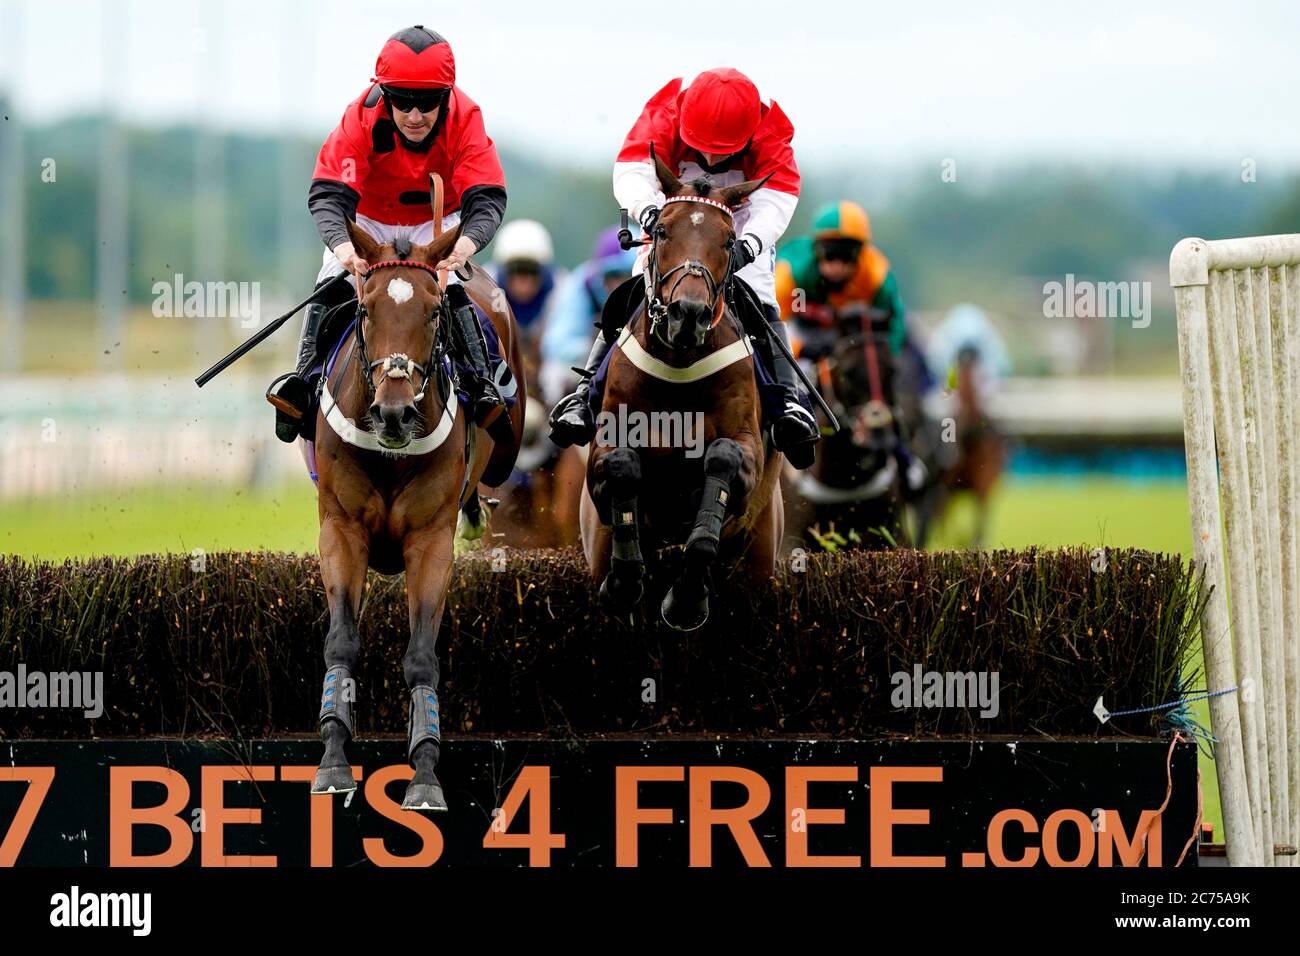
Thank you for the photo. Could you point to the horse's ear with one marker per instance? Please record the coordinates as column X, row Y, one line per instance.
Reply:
column 362, row 242
column 667, row 180
column 734, row 195
column 437, row 250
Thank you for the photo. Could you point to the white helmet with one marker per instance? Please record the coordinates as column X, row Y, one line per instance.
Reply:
column 523, row 239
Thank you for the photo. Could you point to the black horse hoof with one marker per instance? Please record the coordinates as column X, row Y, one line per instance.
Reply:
column 684, row 615
column 620, row 594
column 424, row 796
column 333, row 780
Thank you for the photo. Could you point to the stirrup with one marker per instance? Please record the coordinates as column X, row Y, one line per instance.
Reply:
column 290, row 393
column 800, row 454
column 498, row 425
column 795, row 435
column 569, row 426
column 486, row 402
column 292, row 398
column 489, row 410
column 567, row 404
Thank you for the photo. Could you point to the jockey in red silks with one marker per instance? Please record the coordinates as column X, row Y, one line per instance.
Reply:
column 374, row 168
column 717, row 129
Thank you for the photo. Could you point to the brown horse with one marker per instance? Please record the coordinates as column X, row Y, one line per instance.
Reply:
column 852, row 497
column 538, row 506
column 981, row 456
column 398, row 460
column 679, row 452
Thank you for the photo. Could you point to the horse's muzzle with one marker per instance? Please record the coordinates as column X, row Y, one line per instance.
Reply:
column 393, row 422
column 688, row 323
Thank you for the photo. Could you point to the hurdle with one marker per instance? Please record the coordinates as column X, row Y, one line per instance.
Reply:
column 1238, row 309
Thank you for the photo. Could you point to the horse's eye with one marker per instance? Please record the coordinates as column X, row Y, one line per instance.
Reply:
column 731, row 241
column 661, row 232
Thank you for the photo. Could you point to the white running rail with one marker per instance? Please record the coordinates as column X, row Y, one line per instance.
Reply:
column 1238, row 304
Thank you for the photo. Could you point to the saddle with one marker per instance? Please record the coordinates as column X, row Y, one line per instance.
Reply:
column 621, row 306
column 338, row 319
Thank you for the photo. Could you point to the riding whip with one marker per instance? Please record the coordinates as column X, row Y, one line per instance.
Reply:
column 261, row 335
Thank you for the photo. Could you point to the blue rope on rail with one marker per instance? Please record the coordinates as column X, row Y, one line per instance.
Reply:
column 1187, row 700
column 1180, row 718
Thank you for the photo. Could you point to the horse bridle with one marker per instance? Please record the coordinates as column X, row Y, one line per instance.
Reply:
column 877, row 411
column 656, row 307
column 398, row 364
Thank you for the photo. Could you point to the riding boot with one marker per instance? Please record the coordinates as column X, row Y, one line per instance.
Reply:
column 572, row 420
column 487, row 407
column 290, row 393
column 794, row 431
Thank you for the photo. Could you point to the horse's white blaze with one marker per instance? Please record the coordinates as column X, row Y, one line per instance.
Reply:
column 697, row 218
column 399, row 290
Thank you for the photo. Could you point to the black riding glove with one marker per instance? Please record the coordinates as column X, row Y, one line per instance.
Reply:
column 742, row 253
column 649, row 216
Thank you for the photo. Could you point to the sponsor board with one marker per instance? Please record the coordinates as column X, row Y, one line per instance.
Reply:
column 663, row 802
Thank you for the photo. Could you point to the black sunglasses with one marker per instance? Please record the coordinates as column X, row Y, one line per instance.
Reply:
column 426, row 101
column 839, row 250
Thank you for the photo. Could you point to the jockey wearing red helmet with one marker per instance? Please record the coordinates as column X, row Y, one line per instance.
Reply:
column 374, row 168
column 416, row 58
column 719, row 129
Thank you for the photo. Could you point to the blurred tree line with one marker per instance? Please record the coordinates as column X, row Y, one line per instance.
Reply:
column 948, row 241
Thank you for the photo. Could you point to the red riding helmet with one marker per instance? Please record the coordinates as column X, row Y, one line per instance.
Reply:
column 720, row 111
column 415, row 58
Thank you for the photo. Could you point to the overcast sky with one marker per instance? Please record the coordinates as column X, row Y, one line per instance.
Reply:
column 1188, row 84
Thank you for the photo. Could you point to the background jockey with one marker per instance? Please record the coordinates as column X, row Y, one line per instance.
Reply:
column 835, row 268
column 578, row 304
column 967, row 330
column 718, row 129
column 374, row 168
column 523, row 266
column 824, row 277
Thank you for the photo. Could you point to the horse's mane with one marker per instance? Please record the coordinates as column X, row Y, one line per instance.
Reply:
column 402, row 242
column 701, row 186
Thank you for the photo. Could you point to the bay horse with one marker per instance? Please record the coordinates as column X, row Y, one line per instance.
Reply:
column 852, row 496
column 683, row 362
column 399, row 462
column 537, row 506
column 980, row 455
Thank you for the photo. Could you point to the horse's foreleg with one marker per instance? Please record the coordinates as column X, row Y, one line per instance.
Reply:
column 428, row 554
column 729, row 478
column 618, row 483
column 344, row 549
column 570, row 475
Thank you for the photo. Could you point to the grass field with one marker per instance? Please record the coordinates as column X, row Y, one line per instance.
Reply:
column 177, row 519
column 1097, row 512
